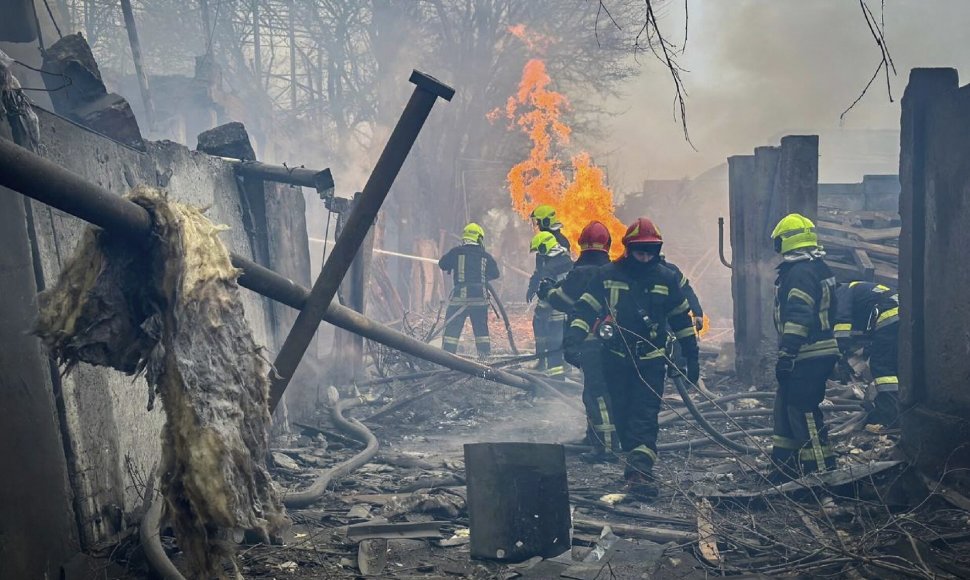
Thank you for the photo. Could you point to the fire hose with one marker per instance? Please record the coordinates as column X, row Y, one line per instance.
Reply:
column 505, row 317
column 702, row 421
column 315, row 491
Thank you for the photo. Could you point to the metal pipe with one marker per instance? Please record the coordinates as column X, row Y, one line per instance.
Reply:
column 322, row 180
column 146, row 94
column 40, row 179
column 720, row 242
column 365, row 208
column 48, row 182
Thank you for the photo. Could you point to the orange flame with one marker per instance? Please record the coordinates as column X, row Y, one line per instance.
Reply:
column 540, row 178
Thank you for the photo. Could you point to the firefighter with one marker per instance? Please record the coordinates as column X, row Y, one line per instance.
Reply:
column 545, row 220
column 868, row 316
column 471, row 268
column 552, row 265
column 805, row 307
column 594, row 243
column 635, row 299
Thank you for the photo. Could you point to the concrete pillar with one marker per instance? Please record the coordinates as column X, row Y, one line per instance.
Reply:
column 38, row 529
column 933, row 273
column 762, row 188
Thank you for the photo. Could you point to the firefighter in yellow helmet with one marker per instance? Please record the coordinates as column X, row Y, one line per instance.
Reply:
column 552, row 265
column 471, row 268
column 805, row 312
column 544, row 219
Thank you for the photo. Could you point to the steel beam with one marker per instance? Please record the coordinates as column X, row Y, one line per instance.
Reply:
column 38, row 178
column 362, row 214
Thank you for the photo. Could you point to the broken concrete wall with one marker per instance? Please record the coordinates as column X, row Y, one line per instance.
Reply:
column 873, row 193
column 762, row 189
column 934, row 275
column 111, row 441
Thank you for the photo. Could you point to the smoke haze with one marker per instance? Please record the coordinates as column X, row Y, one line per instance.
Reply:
column 759, row 69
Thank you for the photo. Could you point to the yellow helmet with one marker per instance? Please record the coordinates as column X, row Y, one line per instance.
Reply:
column 794, row 231
column 543, row 242
column 544, row 216
column 473, row 233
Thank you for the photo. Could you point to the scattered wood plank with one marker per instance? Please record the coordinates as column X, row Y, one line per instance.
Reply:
column 863, row 233
column 865, row 264
column 630, row 513
column 706, row 536
column 367, row 531
column 644, row 533
column 877, row 249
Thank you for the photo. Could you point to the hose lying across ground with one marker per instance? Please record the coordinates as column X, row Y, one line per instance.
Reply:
column 315, row 491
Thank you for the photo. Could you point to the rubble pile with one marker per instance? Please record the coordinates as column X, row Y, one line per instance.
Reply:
column 405, row 516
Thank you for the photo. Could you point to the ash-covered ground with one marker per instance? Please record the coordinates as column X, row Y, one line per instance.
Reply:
column 716, row 515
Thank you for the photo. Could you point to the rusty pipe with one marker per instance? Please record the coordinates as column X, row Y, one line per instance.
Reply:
column 33, row 176
column 365, row 208
column 720, row 242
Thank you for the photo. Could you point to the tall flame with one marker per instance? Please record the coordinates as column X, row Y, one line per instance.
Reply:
column 540, row 179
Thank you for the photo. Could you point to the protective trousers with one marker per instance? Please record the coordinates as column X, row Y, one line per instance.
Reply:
column 600, row 427
column 800, row 441
column 455, row 322
column 883, row 354
column 548, row 326
column 636, row 390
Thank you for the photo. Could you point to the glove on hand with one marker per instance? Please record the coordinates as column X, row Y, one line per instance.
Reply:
column 529, row 295
column 545, row 287
column 698, row 323
column 784, row 366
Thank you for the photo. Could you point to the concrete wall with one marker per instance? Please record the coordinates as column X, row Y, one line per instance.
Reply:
column 110, row 442
column 38, row 530
column 762, row 189
column 934, row 271
column 874, row 193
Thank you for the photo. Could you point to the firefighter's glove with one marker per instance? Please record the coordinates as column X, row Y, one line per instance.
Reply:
column 698, row 323
column 785, row 366
column 573, row 356
column 546, row 286
column 693, row 370
column 530, row 294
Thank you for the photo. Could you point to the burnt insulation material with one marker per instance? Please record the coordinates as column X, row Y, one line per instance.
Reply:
column 171, row 309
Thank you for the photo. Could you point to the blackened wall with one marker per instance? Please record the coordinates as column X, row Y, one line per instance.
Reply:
column 934, row 271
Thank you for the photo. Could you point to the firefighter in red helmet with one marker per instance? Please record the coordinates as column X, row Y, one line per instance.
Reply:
column 594, row 243
column 631, row 303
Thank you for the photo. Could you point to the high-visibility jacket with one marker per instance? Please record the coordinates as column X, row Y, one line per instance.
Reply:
column 553, row 267
column 686, row 288
column 862, row 308
column 471, row 267
column 564, row 296
column 644, row 300
column 805, row 307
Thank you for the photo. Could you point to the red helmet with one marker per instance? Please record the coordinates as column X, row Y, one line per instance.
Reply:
column 642, row 231
column 595, row 236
